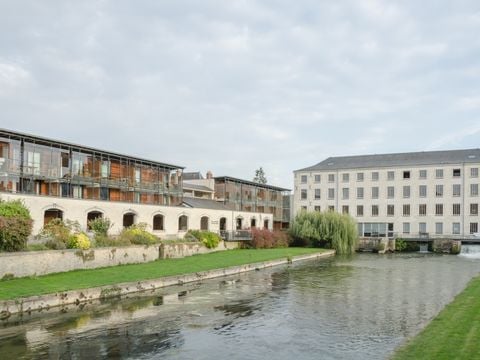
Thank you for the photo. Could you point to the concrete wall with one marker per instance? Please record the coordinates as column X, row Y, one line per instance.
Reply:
column 52, row 261
column 77, row 209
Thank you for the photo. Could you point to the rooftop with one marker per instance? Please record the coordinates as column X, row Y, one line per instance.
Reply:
column 251, row 183
column 444, row 157
column 204, row 204
column 189, row 186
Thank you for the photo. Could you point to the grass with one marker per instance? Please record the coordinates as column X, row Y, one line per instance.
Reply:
column 81, row 279
column 453, row 334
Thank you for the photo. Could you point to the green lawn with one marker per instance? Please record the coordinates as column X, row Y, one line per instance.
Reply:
column 81, row 279
column 453, row 334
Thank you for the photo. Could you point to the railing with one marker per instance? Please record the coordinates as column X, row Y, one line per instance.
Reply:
column 236, row 235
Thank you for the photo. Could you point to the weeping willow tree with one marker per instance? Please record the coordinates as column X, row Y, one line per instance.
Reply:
column 325, row 229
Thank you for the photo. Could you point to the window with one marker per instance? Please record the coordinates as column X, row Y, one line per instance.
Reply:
column 360, row 176
column 456, row 189
column 303, row 194
column 317, row 178
column 77, row 192
column 317, row 194
column 390, row 192
column 105, row 169
column 359, row 210
column 375, row 176
column 456, row 228
column 345, row 193
column 304, row 208
column 374, row 210
column 422, row 209
column 331, row 208
column 375, row 192
column 390, row 210
column 439, row 173
column 422, row 174
column 91, row 216
column 406, row 174
column 105, row 193
column 473, row 189
column 33, row 163
column 406, row 228
column 345, row 177
column 183, row 223
column 128, row 220
column 137, row 176
column 456, row 209
column 438, row 228
column 331, row 178
column 439, row 209
column 317, row 208
column 474, row 172
column 473, row 228
column 391, row 175
column 158, row 222
column 345, row 209
column 406, row 192
column 303, row 179
column 360, row 193
column 406, row 209
column 331, row 193
column 456, row 172
column 204, row 223
column 422, row 228
column 473, row 209
column 439, row 190
column 422, row 190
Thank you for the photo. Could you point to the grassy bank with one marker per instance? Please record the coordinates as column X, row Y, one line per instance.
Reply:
column 453, row 334
column 81, row 279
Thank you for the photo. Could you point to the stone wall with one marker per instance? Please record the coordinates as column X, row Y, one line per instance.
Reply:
column 36, row 263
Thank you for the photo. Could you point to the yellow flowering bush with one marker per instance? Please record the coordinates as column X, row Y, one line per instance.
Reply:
column 79, row 241
column 138, row 235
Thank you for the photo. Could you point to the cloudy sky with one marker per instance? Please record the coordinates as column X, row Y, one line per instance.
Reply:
column 230, row 86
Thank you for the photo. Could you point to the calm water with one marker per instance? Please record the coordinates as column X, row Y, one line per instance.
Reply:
column 357, row 308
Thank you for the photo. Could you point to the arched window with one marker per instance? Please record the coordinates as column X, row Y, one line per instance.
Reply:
column 223, row 224
column 51, row 214
column 183, row 223
column 239, row 223
column 93, row 215
column 158, row 222
column 204, row 223
column 265, row 223
column 253, row 223
column 128, row 219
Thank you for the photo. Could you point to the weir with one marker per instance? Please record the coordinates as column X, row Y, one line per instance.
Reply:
column 471, row 251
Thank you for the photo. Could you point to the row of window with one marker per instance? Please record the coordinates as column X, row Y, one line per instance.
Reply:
column 406, row 209
column 375, row 175
column 456, row 228
column 390, row 192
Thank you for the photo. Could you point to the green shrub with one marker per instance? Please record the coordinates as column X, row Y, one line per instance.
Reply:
column 109, row 241
column 400, row 244
column 208, row 238
column 15, row 225
column 326, row 229
column 79, row 241
column 267, row 239
column 138, row 235
column 100, row 226
column 59, row 235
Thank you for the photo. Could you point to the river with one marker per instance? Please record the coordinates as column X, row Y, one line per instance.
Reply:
column 360, row 307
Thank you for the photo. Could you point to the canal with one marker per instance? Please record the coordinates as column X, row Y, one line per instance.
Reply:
column 361, row 307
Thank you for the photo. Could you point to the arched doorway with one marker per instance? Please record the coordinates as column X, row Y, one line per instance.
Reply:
column 183, row 223
column 93, row 215
column 204, row 223
column 253, row 223
column 51, row 214
column 128, row 219
column 223, row 224
column 265, row 223
column 239, row 223
column 158, row 222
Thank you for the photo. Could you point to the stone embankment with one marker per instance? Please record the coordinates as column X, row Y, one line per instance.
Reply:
column 78, row 297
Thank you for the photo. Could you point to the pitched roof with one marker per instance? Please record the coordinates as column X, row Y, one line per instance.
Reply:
column 204, row 204
column 190, row 186
column 444, row 157
column 192, row 175
column 251, row 183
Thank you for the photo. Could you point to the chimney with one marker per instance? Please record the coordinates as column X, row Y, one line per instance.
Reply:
column 209, row 175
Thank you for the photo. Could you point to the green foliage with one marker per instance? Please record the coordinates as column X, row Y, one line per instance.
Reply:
column 267, row 239
column 260, row 176
column 79, row 241
column 400, row 244
column 100, row 226
column 208, row 238
column 138, row 235
column 455, row 249
column 15, row 225
column 59, row 235
column 326, row 229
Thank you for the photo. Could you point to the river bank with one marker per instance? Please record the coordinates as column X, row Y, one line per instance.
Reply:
column 76, row 287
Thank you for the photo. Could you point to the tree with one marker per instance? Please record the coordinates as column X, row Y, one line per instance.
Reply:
column 260, row 176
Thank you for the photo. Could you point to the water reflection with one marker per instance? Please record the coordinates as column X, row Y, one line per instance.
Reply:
column 349, row 308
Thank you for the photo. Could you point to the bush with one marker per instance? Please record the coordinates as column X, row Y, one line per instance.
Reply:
column 59, row 235
column 79, row 241
column 136, row 234
column 15, row 225
column 400, row 244
column 107, row 241
column 100, row 226
column 266, row 239
column 208, row 238
column 327, row 229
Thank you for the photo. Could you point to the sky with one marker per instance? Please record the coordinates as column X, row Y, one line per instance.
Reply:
column 230, row 86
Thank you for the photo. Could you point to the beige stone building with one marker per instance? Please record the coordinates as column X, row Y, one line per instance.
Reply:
column 420, row 194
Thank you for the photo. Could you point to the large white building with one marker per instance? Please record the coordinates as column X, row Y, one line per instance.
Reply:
column 434, row 194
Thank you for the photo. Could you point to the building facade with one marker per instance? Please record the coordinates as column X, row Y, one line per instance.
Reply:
column 434, row 194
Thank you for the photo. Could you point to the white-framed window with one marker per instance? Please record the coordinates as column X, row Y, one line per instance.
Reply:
column 331, row 193
column 317, row 178
column 473, row 189
column 390, row 210
column 390, row 192
column 438, row 228
column 345, row 209
column 456, row 189
column 360, row 176
column 374, row 210
column 473, row 228
column 422, row 190
column 391, row 175
column 422, row 174
column 317, row 194
column 456, row 209
column 422, row 227
column 303, row 179
column 474, row 172
column 375, row 175
column 457, row 172
column 375, row 192
column 345, row 193
column 303, row 194
column 456, row 228
column 439, row 173
column 137, row 176
column 439, row 209
column 474, row 209
column 360, row 193
column 346, row 177
column 422, row 209
column 359, row 210
column 331, row 178
column 317, row 208
column 406, row 191
column 438, row 190
column 406, row 209
column 406, row 228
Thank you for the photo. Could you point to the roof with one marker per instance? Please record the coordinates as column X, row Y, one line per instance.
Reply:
column 86, row 149
column 251, row 183
column 190, row 186
column 444, row 157
column 204, row 204
column 192, row 175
